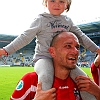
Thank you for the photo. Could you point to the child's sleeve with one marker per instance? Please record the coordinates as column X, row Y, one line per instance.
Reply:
column 25, row 38
column 84, row 40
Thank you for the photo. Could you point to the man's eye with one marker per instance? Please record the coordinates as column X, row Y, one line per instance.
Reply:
column 68, row 46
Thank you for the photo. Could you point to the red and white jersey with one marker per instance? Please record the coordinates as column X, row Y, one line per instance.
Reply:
column 26, row 88
column 95, row 73
column 66, row 89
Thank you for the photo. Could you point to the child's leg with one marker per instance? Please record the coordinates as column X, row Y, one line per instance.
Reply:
column 85, row 95
column 45, row 71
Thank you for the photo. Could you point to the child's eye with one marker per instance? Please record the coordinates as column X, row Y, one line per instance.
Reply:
column 52, row 0
column 61, row 1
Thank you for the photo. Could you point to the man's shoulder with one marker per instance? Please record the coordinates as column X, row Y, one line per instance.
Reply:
column 30, row 76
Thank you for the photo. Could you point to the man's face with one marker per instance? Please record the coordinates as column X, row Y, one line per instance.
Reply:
column 67, row 51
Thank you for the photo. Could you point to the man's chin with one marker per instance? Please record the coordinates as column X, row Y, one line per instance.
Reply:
column 72, row 67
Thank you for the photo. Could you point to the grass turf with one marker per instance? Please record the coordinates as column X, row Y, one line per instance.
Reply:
column 9, row 77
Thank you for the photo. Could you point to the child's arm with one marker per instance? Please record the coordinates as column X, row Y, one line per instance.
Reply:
column 84, row 40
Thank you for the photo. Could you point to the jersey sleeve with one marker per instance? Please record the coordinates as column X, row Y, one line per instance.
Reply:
column 26, row 88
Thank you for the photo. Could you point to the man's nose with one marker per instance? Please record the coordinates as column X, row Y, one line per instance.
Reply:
column 75, row 50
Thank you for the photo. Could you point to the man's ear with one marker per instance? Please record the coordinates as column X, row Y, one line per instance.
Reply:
column 51, row 51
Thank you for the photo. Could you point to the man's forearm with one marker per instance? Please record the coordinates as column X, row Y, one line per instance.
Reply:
column 98, row 94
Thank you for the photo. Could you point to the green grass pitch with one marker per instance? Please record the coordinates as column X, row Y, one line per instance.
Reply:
column 9, row 77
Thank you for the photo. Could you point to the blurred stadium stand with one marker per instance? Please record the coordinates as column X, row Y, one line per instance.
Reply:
column 24, row 56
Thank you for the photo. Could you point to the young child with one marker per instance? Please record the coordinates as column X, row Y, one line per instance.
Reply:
column 44, row 28
column 95, row 70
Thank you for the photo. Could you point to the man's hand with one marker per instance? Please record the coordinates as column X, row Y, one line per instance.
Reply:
column 87, row 84
column 44, row 95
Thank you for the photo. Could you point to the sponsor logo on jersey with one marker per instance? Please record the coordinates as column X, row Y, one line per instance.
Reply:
column 63, row 87
column 20, row 85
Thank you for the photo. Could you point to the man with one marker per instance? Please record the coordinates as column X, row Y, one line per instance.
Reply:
column 64, row 51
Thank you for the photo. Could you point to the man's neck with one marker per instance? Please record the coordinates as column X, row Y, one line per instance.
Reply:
column 61, row 73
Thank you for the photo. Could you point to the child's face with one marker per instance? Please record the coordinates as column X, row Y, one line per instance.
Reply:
column 56, row 7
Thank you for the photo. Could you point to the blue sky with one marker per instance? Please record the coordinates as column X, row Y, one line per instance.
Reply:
column 17, row 15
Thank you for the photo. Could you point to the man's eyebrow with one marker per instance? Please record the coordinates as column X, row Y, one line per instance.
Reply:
column 71, row 43
column 68, row 43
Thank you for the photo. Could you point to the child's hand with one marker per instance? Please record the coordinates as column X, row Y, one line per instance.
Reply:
column 97, row 61
column 3, row 52
column 98, row 51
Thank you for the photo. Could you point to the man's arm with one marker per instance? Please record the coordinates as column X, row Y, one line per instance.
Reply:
column 44, row 95
column 87, row 84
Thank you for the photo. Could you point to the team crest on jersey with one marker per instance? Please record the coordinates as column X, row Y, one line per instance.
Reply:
column 20, row 85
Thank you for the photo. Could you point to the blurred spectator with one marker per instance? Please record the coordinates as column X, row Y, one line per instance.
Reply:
column 95, row 70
